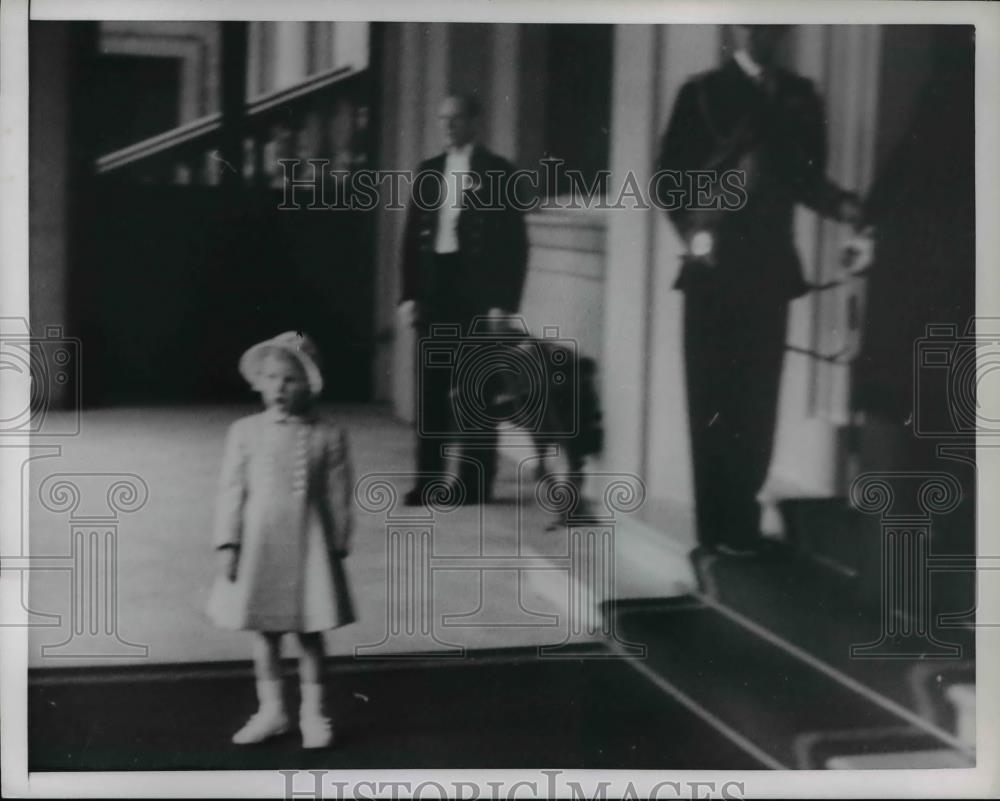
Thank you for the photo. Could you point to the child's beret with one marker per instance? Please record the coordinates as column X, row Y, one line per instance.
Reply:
column 295, row 344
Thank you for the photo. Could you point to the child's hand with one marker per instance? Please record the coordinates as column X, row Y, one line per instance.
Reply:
column 859, row 252
column 410, row 311
column 228, row 560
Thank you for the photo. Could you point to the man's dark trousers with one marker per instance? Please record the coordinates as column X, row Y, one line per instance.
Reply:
column 733, row 352
column 447, row 318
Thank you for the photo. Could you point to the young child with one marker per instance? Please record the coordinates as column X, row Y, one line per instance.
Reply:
column 283, row 527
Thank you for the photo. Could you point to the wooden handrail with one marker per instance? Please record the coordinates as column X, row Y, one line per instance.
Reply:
column 212, row 124
column 312, row 85
column 183, row 134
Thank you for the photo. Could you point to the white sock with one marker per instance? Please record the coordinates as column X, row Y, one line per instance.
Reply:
column 269, row 694
column 312, row 699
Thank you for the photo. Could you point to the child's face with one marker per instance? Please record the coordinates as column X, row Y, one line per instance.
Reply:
column 283, row 384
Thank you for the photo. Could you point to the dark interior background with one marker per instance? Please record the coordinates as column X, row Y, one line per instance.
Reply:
column 180, row 280
column 169, row 283
column 122, row 109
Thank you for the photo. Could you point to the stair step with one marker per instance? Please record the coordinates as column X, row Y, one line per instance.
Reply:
column 904, row 760
column 963, row 699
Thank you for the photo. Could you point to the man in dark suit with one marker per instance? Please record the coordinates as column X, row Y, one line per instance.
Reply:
column 741, row 269
column 464, row 257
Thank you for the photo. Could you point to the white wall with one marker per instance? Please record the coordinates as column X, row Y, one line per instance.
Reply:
column 814, row 408
column 565, row 284
column 686, row 51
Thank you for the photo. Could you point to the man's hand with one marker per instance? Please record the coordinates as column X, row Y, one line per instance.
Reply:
column 228, row 560
column 701, row 247
column 410, row 311
column 859, row 251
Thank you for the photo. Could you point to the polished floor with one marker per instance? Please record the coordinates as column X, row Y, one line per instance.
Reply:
column 695, row 662
column 497, row 577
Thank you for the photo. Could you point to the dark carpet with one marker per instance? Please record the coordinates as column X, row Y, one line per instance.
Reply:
column 825, row 614
column 502, row 709
column 481, row 713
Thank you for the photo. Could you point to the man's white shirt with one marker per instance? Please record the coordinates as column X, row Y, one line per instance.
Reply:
column 748, row 65
column 757, row 73
column 456, row 163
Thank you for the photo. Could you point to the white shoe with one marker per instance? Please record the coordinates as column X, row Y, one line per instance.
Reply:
column 263, row 725
column 317, row 731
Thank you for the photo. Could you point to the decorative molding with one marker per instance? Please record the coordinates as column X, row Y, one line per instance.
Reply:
column 193, row 96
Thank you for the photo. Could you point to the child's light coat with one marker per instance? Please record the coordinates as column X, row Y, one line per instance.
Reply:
column 285, row 499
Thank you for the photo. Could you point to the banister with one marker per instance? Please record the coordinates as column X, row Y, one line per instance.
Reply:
column 312, row 85
column 209, row 125
column 167, row 140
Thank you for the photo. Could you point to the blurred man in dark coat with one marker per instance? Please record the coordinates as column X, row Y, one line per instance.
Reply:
column 741, row 269
column 464, row 256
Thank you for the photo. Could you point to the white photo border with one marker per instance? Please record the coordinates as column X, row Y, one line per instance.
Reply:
column 982, row 781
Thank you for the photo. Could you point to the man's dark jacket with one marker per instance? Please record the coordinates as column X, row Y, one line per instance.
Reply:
column 724, row 119
column 492, row 241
